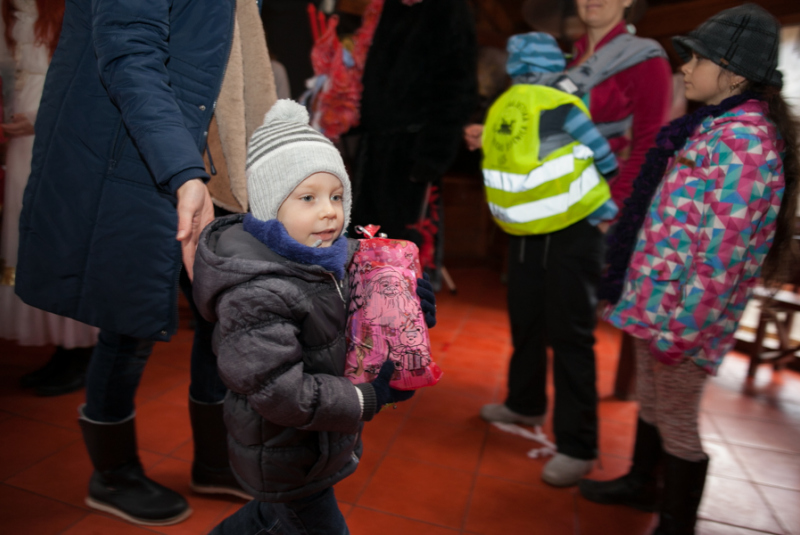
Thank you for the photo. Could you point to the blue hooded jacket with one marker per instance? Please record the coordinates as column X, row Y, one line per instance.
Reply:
column 122, row 125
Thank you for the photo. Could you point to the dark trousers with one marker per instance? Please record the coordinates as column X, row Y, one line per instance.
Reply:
column 551, row 301
column 118, row 362
column 317, row 514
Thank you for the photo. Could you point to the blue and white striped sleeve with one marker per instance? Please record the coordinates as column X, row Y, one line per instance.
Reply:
column 580, row 127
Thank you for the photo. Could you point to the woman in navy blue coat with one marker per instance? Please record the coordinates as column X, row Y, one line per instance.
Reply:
column 118, row 174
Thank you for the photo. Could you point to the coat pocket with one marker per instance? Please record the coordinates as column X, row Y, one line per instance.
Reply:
column 667, row 272
column 653, row 290
column 661, row 292
column 339, row 449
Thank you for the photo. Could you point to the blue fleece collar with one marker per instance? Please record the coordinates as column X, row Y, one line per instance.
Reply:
column 273, row 234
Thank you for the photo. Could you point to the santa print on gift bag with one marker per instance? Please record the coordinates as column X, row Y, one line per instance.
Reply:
column 385, row 320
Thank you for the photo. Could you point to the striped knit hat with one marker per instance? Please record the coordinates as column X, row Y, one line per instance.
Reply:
column 533, row 52
column 282, row 153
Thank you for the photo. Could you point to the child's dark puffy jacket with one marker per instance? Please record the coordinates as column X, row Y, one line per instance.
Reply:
column 294, row 422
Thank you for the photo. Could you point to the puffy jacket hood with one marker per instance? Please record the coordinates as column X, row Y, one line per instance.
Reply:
column 228, row 256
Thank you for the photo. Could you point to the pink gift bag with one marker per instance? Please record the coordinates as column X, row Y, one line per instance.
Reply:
column 385, row 319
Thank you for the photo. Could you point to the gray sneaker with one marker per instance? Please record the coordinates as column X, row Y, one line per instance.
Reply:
column 565, row 471
column 498, row 412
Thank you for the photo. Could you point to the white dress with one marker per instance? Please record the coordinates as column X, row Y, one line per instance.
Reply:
column 18, row 321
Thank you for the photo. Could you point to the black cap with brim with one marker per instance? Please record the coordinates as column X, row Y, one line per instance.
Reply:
column 684, row 45
column 742, row 39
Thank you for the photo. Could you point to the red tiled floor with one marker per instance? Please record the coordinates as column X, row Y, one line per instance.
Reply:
column 723, row 460
column 184, row 452
column 432, row 466
column 452, row 445
column 609, row 467
column 23, row 512
column 614, row 410
column 708, row 428
column 757, row 433
column 65, row 475
column 500, row 507
column 616, row 438
column 361, row 520
column 162, row 426
column 384, row 428
column 595, row 519
column 159, row 379
column 784, row 504
column 447, row 405
column 419, row 490
column 772, row 468
column 707, row 527
column 470, row 382
column 208, row 510
column 26, row 442
column 505, row 456
column 736, row 502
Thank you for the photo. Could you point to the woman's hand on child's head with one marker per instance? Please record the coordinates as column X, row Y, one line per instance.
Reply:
column 427, row 300
column 385, row 394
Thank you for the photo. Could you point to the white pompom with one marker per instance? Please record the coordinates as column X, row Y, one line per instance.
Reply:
column 286, row 110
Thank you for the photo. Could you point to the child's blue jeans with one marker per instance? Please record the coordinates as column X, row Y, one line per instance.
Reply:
column 317, row 514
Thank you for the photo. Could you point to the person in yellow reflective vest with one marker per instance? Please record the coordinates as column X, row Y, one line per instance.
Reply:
column 542, row 165
column 540, row 148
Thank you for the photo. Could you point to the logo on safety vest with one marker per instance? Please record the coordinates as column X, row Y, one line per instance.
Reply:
column 512, row 127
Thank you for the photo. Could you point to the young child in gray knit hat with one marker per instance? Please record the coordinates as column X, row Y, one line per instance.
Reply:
column 274, row 280
column 284, row 153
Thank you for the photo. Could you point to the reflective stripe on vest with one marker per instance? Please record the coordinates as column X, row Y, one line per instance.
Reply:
column 527, row 195
column 549, row 170
column 549, row 206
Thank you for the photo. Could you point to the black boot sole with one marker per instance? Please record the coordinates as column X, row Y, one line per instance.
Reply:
column 644, row 507
column 219, row 489
column 108, row 508
column 607, row 498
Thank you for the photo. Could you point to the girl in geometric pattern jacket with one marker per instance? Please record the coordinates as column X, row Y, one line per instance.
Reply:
column 711, row 212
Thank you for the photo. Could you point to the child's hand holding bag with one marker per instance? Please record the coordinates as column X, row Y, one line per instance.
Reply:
column 385, row 394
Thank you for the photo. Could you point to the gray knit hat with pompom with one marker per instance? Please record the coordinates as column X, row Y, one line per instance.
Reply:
column 282, row 153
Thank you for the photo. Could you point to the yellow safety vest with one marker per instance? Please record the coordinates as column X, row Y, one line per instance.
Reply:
column 527, row 195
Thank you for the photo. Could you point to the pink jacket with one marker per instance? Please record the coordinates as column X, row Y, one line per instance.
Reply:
column 707, row 232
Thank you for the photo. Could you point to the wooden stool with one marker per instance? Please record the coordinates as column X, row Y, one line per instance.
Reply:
column 776, row 308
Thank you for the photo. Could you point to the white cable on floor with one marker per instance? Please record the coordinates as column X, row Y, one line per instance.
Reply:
column 548, row 448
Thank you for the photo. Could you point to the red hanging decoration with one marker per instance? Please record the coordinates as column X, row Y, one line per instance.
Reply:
column 335, row 109
column 428, row 227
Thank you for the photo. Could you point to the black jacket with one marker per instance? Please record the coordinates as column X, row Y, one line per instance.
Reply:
column 294, row 422
column 419, row 90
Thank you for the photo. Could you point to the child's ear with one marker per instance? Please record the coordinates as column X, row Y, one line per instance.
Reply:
column 736, row 81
